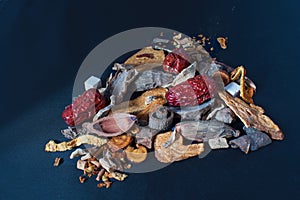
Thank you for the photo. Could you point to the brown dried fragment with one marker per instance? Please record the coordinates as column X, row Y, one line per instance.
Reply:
column 51, row 146
column 146, row 55
column 176, row 151
column 57, row 161
column 82, row 179
column 222, row 41
column 252, row 116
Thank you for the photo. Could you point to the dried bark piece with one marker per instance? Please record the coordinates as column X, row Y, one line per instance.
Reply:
column 225, row 115
column 120, row 86
column 161, row 119
column 141, row 102
column 146, row 55
column 242, row 142
column 57, row 161
column 253, row 141
column 258, row 138
column 152, row 79
column 252, row 116
column 175, row 151
column 193, row 112
column 145, row 136
column 112, row 125
column 218, row 143
column 51, row 146
column 203, row 131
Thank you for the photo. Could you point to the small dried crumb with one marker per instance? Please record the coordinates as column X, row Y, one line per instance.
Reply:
column 211, row 49
column 222, row 41
column 200, row 35
column 101, row 185
column 82, row 179
column 57, row 161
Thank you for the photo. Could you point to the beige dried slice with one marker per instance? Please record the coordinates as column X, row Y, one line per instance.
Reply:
column 51, row 146
column 146, row 55
column 176, row 151
column 252, row 116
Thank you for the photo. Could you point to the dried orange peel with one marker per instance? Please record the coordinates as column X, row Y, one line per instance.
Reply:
column 245, row 93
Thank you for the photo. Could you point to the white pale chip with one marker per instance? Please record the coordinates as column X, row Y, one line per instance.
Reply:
column 233, row 88
column 92, row 82
column 218, row 143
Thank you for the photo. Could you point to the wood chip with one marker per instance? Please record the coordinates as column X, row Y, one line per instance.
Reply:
column 252, row 116
column 57, row 161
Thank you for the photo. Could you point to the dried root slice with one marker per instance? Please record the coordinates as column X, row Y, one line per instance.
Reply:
column 51, row 146
column 252, row 116
column 175, row 151
column 245, row 93
column 136, row 155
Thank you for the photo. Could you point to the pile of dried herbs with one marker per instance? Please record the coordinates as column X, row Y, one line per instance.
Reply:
column 177, row 93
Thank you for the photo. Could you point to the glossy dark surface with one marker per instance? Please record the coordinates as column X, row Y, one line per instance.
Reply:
column 42, row 44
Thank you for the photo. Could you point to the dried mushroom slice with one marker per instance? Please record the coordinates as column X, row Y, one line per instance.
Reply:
column 136, row 155
column 146, row 55
column 119, row 142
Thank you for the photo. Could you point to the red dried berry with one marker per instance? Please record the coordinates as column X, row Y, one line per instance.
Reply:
column 84, row 107
column 192, row 92
column 176, row 61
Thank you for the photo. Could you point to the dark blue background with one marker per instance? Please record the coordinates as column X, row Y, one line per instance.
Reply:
column 42, row 44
